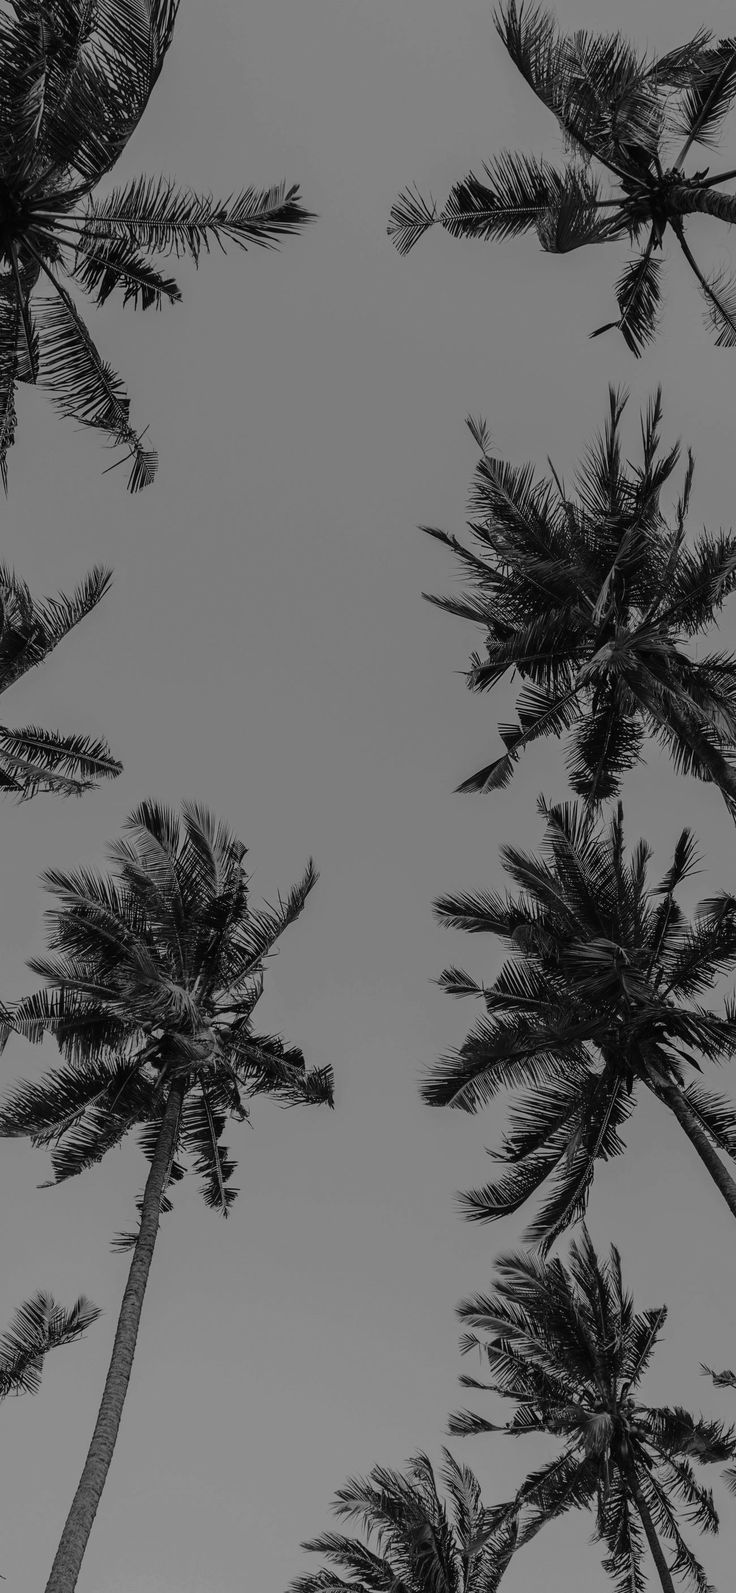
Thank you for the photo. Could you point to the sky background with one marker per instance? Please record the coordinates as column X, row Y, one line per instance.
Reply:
column 265, row 650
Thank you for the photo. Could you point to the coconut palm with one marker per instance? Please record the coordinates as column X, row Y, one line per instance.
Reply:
column 592, row 596
column 150, row 996
column 31, row 759
column 37, row 1326
column 596, row 1004
column 629, row 122
column 75, row 80
column 419, row 1545
column 567, row 1346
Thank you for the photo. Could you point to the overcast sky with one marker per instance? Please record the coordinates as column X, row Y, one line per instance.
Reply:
column 265, row 650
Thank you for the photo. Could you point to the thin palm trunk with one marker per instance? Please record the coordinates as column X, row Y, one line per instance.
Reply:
column 686, row 1117
column 686, row 201
column 650, row 1530
column 80, row 1520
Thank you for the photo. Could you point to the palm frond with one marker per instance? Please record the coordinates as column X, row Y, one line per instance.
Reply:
column 84, row 387
column 639, row 296
column 37, row 1326
column 410, row 217
column 102, row 268
column 154, row 215
column 519, row 191
column 33, row 760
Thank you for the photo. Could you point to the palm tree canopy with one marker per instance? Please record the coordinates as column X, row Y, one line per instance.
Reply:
column 157, row 973
column 629, row 121
column 597, row 1000
column 39, row 1325
column 75, row 80
column 567, row 1346
column 592, row 596
column 414, row 1542
column 31, row 759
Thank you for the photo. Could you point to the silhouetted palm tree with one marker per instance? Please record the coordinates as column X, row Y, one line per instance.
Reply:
column 31, row 759
column 591, row 597
column 420, row 1546
column 597, row 1002
column 75, row 80
column 37, row 1326
column 150, row 996
column 566, row 1345
column 634, row 116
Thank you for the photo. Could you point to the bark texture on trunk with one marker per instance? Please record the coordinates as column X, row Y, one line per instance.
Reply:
column 686, row 1117
column 650, row 1530
column 79, row 1522
column 688, row 201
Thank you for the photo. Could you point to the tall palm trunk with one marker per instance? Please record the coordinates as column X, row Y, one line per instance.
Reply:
column 675, row 1098
column 79, row 1522
column 650, row 1530
column 685, row 201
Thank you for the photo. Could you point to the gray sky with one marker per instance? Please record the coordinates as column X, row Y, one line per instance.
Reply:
column 265, row 650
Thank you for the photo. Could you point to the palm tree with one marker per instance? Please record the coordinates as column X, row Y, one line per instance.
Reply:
column 566, row 1345
column 37, row 1326
column 622, row 115
column 597, row 1003
column 33, row 760
column 75, row 80
column 150, row 998
column 420, row 1546
column 591, row 597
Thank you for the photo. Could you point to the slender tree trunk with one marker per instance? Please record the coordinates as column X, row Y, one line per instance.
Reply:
column 650, row 1530
column 686, row 201
column 79, row 1522
column 678, row 1103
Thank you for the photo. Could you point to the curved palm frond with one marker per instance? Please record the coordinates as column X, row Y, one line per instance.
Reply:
column 37, row 1326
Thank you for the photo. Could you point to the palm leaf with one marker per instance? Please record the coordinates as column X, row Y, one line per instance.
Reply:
column 639, row 294
column 153, row 215
column 410, row 218
column 519, row 192
column 37, row 1326
column 83, row 387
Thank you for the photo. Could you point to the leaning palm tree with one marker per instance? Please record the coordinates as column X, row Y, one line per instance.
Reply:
column 33, row 760
column 150, row 997
column 75, row 80
column 37, row 1326
column 596, row 1004
column 567, row 1346
column 629, row 122
column 591, row 596
column 420, row 1546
